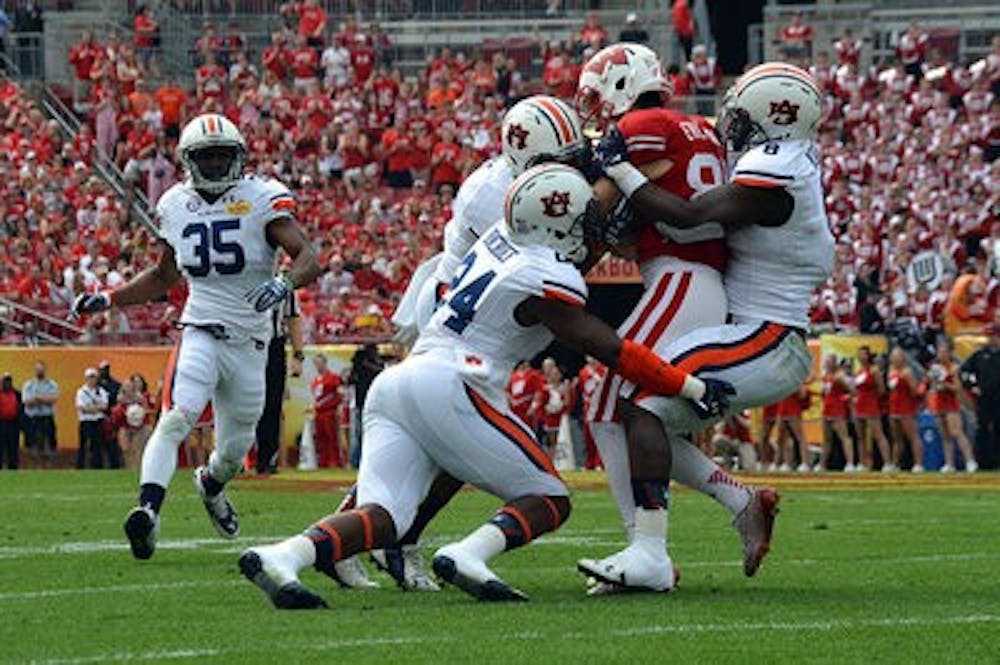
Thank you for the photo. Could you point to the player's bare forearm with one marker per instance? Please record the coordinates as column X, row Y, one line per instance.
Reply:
column 285, row 233
column 150, row 284
column 727, row 205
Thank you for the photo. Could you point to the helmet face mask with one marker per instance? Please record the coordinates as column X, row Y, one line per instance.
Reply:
column 737, row 130
column 213, row 151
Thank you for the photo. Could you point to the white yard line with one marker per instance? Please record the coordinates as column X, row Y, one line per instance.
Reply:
column 120, row 588
column 527, row 636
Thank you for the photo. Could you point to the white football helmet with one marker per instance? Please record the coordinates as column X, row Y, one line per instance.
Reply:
column 551, row 204
column 774, row 101
column 213, row 151
column 542, row 128
column 613, row 79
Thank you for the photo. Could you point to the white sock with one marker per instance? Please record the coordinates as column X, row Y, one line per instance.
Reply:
column 611, row 443
column 297, row 552
column 693, row 468
column 485, row 542
column 651, row 530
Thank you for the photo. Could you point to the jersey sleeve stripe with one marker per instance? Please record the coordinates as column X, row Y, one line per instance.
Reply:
column 650, row 138
column 577, row 292
column 764, row 174
column 647, row 147
column 748, row 181
column 554, row 294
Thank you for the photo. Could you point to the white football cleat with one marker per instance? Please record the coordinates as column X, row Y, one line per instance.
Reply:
column 634, row 568
column 971, row 466
column 406, row 566
column 266, row 569
column 350, row 574
column 219, row 508
column 142, row 526
column 470, row 574
column 755, row 526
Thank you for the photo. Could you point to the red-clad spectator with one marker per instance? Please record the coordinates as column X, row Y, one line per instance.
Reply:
column 444, row 158
column 911, row 50
column 367, row 280
column 848, row 48
column 210, row 81
column 560, row 73
column 304, row 65
column 683, row 22
column 592, row 30
column 82, row 57
column 325, row 389
column 363, row 61
column 705, row 75
column 397, row 150
column 312, row 23
column 146, row 32
column 796, row 38
column 276, row 58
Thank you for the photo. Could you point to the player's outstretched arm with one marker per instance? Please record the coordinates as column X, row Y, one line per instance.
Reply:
column 587, row 334
column 150, row 284
column 284, row 232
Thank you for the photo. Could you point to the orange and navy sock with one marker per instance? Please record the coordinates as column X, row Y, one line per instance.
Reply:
column 514, row 525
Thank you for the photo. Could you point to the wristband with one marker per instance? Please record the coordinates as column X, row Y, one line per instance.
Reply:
column 627, row 177
column 638, row 364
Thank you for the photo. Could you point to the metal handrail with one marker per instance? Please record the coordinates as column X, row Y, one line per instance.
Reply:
column 41, row 316
column 104, row 165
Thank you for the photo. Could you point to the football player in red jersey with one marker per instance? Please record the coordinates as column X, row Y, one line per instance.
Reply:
column 682, row 276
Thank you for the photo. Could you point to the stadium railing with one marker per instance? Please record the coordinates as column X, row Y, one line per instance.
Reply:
column 963, row 32
column 51, row 329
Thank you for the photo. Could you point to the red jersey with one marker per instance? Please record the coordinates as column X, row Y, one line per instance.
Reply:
column 305, row 62
column 310, row 19
column 697, row 159
column 904, row 399
column 835, row 396
column 866, row 398
column 325, row 389
column 363, row 63
column 521, row 390
column 791, row 406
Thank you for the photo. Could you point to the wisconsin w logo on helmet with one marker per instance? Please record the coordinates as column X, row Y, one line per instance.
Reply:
column 614, row 55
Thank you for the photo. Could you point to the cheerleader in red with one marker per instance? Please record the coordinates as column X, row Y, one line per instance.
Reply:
column 942, row 400
column 904, row 402
column 790, row 430
column 768, row 450
column 868, row 388
column 837, row 392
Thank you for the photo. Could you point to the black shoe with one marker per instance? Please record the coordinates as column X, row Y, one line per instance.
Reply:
column 288, row 596
column 142, row 526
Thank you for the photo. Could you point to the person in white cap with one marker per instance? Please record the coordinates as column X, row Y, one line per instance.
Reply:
column 91, row 409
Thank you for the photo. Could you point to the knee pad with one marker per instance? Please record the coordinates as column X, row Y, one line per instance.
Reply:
column 176, row 423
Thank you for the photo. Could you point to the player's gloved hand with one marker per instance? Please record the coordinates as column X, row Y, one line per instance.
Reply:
column 88, row 303
column 612, row 154
column 270, row 293
column 715, row 402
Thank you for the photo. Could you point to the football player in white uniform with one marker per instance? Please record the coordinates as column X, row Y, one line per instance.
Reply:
column 445, row 408
column 535, row 130
column 780, row 250
column 220, row 230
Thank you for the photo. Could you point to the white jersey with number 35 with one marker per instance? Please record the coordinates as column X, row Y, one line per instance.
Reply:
column 222, row 250
column 773, row 271
column 475, row 320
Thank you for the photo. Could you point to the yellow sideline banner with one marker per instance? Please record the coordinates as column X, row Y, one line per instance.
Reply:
column 67, row 364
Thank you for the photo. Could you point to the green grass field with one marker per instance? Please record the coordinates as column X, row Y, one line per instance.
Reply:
column 863, row 570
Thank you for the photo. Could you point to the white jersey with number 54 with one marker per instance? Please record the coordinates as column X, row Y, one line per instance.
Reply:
column 475, row 321
column 222, row 250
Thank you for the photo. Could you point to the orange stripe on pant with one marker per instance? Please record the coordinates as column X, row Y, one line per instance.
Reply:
column 719, row 356
column 512, row 431
column 334, row 537
column 169, row 373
